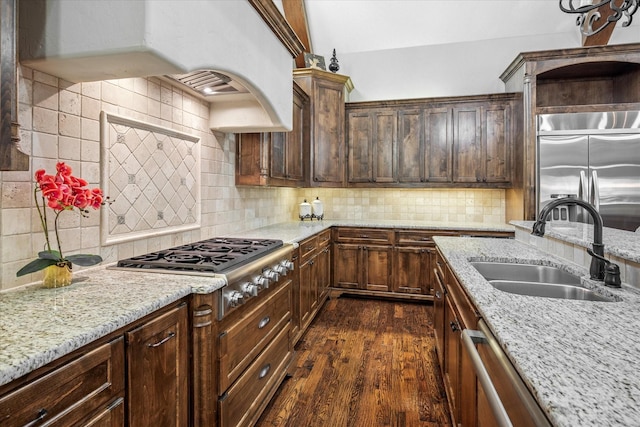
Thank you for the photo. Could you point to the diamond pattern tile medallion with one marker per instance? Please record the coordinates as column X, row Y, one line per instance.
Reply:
column 152, row 176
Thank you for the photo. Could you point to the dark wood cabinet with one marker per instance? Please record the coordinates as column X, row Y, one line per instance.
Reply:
column 410, row 150
column 453, row 313
column 372, row 146
column 89, row 389
column 435, row 142
column 362, row 260
column 276, row 158
column 158, row 370
column 414, row 261
column 314, row 276
column 482, row 143
column 327, row 123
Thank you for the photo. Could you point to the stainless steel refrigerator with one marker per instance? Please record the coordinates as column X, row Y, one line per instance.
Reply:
column 593, row 156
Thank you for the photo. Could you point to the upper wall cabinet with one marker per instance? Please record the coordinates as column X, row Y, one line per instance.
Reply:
column 435, row 142
column 327, row 93
column 277, row 158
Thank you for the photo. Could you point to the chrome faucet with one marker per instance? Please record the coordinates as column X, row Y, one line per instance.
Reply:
column 598, row 262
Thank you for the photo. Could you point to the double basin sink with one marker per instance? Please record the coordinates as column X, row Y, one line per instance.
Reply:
column 536, row 280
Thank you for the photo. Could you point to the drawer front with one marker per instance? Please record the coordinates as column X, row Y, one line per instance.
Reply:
column 308, row 248
column 244, row 339
column 243, row 403
column 378, row 236
column 324, row 238
column 71, row 392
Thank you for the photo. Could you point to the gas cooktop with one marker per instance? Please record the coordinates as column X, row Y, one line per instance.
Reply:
column 215, row 255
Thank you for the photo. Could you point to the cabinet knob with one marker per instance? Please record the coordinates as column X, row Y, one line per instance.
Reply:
column 454, row 326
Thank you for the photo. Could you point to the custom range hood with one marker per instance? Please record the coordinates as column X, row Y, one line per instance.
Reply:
column 225, row 42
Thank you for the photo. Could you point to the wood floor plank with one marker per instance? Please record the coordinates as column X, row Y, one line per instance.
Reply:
column 363, row 363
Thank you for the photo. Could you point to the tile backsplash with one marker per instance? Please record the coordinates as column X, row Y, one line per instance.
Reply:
column 457, row 205
column 60, row 121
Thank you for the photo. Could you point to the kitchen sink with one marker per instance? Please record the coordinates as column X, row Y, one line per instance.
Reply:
column 548, row 290
column 525, row 273
column 536, row 280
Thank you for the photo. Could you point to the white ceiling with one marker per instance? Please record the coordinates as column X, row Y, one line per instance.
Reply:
column 366, row 25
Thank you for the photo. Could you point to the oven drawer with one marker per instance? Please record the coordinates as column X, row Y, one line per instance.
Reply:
column 245, row 401
column 245, row 336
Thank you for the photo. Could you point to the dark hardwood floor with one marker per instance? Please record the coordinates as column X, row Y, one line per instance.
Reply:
column 363, row 362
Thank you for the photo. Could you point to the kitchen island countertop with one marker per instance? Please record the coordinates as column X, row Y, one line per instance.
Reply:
column 579, row 358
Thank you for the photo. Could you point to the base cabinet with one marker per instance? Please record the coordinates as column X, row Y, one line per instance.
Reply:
column 455, row 317
column 88, row 389
column 158, row 370
column 314, row 279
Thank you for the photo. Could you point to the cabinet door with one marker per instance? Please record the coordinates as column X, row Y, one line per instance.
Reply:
column 158, row 362
column 347, row 263
column 251, row 162
column 496, row 142
column 384, row 146
column 410, row 146
column 297, row 139
column 377, row 268
column 328, row 133
column 438, row 312
column 307, row 285
column 324, row 271
column 412, row 270
column 467, row 145
column 452, row 333
column 360, row 136
column 278, row 155
column 437, row 140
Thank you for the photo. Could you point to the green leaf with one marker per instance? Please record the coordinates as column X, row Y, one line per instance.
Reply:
column 49, row 255
column 36, row 265
column 84, row 259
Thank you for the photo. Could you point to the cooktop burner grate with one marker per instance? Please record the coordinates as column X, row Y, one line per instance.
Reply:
column 212, row 255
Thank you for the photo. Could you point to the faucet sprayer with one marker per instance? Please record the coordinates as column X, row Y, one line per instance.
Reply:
column 597, row 268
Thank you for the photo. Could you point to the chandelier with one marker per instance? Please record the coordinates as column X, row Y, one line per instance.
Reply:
column 588, row 15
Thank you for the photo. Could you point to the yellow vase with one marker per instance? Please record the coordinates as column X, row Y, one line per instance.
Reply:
column 56, row 276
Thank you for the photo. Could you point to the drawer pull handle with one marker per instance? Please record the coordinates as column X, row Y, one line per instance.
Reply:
column 164, row 340
column 364, row 236
column 264, row 371
column 41, row 414
column 264, row 322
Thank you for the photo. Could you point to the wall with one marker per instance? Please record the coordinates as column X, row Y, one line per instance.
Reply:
column 60, row 122
column 454, row 69
column 455, row 205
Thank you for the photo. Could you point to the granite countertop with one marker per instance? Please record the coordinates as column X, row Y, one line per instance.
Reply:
column 579, row 358
column 620, row 243
column 296, row 231
column 40, row 325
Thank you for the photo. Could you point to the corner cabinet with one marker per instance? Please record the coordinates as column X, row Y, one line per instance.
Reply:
column 278, row 159
column 434, row 142
column 327, row 93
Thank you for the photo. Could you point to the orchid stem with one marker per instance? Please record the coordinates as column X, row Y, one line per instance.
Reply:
column 43, row 217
